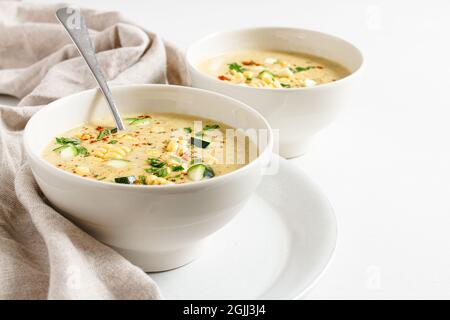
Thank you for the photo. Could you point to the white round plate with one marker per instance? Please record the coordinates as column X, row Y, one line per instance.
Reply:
column 276, row 247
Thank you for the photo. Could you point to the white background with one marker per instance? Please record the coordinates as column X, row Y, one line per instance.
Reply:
column 385, row 163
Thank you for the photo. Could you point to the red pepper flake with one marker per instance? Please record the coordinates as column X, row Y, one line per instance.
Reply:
column 222, row 77
column 319, row 67
column 99, row 128
column 248, row 62
column 92, row 141
column 105, row 138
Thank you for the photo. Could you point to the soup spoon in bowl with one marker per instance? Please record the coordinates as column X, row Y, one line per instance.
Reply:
column 76, row 27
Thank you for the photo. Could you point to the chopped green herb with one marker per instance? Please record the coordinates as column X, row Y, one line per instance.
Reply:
column 177, row 168
column 284, row 85
column 156, row 163
column 142, row 180
column 104, row 133
column 159, row 172
column 210, row 127
column 188, row 130
column 82, row 150
column 65, row 141
column 236, row 66
column 59, row 149
column 113, row 142
column 301, row 69
column 131, row 120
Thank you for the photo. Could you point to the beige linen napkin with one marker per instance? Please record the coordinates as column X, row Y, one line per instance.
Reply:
column 42, row 254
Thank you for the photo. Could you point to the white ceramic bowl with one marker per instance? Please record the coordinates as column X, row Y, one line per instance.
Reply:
column 298, row 113
column 155, row 227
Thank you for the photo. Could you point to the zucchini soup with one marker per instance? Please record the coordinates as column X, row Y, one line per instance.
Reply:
column 272, row 69
column 155, row 149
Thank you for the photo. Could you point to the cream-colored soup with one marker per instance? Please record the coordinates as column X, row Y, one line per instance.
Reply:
column 273, row 69
column 156, row 149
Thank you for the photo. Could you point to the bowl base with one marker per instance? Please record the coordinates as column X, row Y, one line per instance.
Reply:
column 156, row 261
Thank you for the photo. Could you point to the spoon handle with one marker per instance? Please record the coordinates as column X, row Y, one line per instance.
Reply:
column 75, row 26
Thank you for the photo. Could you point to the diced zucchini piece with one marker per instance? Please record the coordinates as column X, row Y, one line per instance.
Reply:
column 196, row 172
column 209, row 172
column 117, row 163
column 199, row 142
column 67, row 152
column 125, row 180
column 265, row 74
column 199, row 171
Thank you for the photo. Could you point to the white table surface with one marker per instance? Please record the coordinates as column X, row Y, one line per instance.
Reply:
column 385, row 163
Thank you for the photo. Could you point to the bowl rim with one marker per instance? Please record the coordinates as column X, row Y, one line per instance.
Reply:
column 208, row 37
column 37, row 159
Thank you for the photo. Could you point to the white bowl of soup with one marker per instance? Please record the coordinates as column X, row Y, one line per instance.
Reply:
column 298, row 79
column 157, row 190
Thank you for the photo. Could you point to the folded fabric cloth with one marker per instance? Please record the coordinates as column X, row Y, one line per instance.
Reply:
column 42, row 254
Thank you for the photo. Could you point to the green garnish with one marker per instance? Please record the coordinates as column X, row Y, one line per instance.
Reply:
column 301, row 69
column 71, row 143
column 285, row 85
column 236, row 66
column 131, row 120
column 159, row 172
column 105, row 132
column 177, row 168
column 142, row 180
column 210, row 127
column 113, row 142
column 156, row 163
column 188, row 130
column 265, row 74
column 82, row 150
column 65, row 141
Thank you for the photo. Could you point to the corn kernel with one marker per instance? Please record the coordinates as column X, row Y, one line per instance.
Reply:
column 172, row 146
column 113, row 155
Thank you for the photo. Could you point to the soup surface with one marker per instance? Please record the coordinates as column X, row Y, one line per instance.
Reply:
column 272, row 69
column 156, row 149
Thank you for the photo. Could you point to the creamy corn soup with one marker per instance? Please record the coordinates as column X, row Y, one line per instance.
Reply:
column 155, row 149
column 273, row 69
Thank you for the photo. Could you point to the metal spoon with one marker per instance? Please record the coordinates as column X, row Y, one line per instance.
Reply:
column 75, row 26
